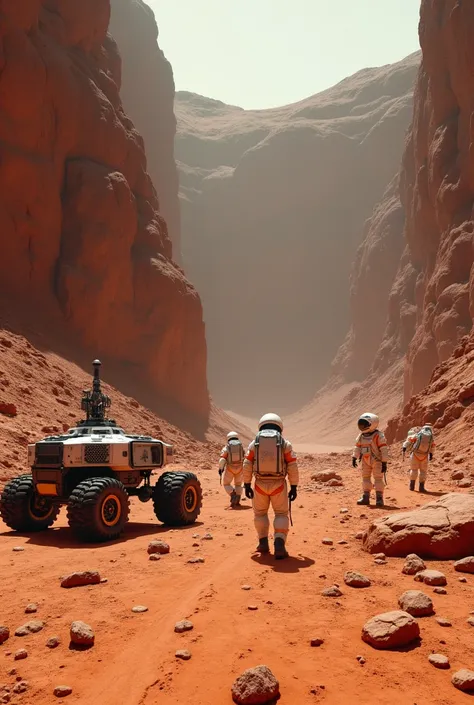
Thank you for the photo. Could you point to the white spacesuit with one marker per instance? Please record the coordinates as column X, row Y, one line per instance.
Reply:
column 420, row 444
column 231, row 466
column 271, row 459
column 372, row 451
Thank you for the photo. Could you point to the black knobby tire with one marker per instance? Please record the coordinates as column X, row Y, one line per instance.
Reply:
column 24, row 510
column 98, row 509
column 177, row 498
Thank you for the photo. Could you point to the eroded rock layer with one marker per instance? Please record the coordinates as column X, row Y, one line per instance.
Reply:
column 81, row 229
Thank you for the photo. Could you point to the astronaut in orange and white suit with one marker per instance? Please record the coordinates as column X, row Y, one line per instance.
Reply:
column 271, row 459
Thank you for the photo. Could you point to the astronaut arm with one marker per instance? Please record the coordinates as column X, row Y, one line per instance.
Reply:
column 383, row 447
column 357, row 453
column 291, row 464
column 223, row 459
column 249, row 464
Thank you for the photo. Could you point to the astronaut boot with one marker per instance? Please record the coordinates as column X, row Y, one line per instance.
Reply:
column 365, row 499
column 280, row 550
column 422, row 487
column 263, row 546
column 233, row 498
column 412, row 485
column 379, row 499
column 237, row 501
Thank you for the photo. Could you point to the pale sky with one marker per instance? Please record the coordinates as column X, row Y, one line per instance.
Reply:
column 265, row 53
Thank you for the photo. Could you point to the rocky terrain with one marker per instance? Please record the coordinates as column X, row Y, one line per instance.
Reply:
column 318, row 606
column 273, row 208
column 85, row 248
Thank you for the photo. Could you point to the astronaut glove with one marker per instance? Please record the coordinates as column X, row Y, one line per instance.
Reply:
column 293, row 493
column 248, row 491
column 354, row 462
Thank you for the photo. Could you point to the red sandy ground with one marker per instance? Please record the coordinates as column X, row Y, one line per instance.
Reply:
column 133, row 660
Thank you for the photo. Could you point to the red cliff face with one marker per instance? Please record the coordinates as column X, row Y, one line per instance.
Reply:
column 83, row 241
column 147, row 92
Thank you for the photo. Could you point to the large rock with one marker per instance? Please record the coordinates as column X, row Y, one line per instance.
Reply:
column 442, row 529
column 325, row 476
column 86, row 577
column 431, row 577
column 391, row 630
column 256, row 686
column 81, row 634
column 465, row 565
column 463, row 680
column 356, row 580
column 413, row 564
column 416, row 603
column 75, row 196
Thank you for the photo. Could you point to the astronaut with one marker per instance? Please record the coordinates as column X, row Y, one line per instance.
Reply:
column 271, row 459
column 371, row 451
column 231, row 466
column 420, row 444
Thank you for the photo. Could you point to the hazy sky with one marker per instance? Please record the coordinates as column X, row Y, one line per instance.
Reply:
column 263, row 53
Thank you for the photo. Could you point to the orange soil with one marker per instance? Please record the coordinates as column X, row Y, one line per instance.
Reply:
column 133, row 660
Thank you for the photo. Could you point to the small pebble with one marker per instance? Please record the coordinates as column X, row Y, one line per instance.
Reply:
column 380, row 556
column 154, row 557
column 18, row 549
column 443, row 622
column 317, row 642
column 246, row 587
column 440, row 591
column 138, row 609
column 380, row 561
column 21, row 654
column 252, row 608
column 20, row 687
column 462, row 580
column 184, row 626
column 359, row 536
column 239, row 533
column 327, row 542
column 438, row 660
column 198, row 559
column 53, row 642
column 61, row 691
column 183, row 654
column 207, row 537
column 31, row 608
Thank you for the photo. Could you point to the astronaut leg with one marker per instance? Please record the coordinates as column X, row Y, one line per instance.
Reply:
column 228, row 480
column 414, row 466
column 280, row 505
column 423, row 472
column 261, row 505
column 238, row 479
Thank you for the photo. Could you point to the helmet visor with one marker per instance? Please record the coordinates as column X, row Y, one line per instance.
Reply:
column 363, row 424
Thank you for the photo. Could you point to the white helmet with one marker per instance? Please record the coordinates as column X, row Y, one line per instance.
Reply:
column 271, row 419
column 232, row 434
column 368, row 422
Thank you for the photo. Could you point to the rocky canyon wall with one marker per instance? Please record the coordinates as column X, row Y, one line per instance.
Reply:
column 147, row 92
column 273, row 208
column 438, row 192
column 85, row 248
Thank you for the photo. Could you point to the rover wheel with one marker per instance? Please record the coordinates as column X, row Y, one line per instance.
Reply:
column 24, row 510
column 98, row 509
column 177, row 498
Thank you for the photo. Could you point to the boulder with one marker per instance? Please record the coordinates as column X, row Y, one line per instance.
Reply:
column 326, row 476
column 81, row 634
column 465, row 565
column 391, row 630
column 4, row 634
column 416, row 603
column 86, row 577
column 442, row 529
column 431, row 577
column 463, row 680
column 356, row 580
column 256, row 686
column 413, row 564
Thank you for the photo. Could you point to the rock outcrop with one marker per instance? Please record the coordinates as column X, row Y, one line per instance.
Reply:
column 273, row 205
column 84, row 245
column 147, row 92
column 443, row 529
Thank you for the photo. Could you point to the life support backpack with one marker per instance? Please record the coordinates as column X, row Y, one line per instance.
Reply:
column 236, row 452
column 368, row 448
column 424, row 441
column 269, row 454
